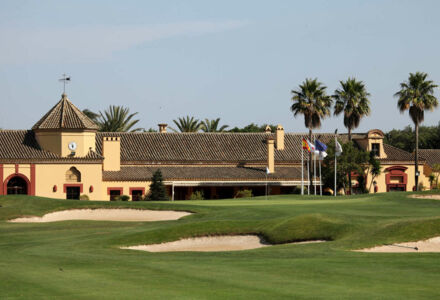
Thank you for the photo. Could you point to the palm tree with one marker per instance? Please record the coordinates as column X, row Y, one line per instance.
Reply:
column 186, row 124
column 117, row 119
column 352, row 99
column 311, row 101
column 212, row 126
column 417, row 95
column 91, row 115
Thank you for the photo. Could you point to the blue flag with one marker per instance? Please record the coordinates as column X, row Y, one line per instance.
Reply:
column 320, row 146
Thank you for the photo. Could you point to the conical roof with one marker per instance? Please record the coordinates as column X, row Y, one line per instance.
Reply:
column 65, row 115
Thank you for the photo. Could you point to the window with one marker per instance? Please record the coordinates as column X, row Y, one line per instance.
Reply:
column 375, row 148
column 136, row 195
column 72, row 192
column 114, row 192
column 73, row 175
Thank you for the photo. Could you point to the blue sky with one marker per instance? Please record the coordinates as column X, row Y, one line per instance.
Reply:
column 237, row 60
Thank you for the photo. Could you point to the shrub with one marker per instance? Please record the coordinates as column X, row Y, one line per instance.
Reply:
column 157, row 188
column 122, row 198
column 197, row 195
column 243, row 194
column 84, row 197
column 297, row 190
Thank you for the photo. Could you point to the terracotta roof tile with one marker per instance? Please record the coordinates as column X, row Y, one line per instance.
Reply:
column 203, row 147
column 133, row 173
column 432, row 156
column 65, row 115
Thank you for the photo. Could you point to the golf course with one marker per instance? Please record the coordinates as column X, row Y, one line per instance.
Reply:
column 84, row 259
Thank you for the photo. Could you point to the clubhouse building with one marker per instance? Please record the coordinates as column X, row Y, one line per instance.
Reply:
column 64, row 156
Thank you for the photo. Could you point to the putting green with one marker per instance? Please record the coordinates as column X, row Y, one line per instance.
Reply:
column 83, row 259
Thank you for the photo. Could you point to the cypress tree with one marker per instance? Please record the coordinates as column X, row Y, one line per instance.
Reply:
column 157, row 188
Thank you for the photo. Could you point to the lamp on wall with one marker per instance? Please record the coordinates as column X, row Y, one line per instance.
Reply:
column 55, row 188
column 91, row 189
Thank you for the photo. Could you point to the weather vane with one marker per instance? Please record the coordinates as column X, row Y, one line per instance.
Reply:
column 65, row 80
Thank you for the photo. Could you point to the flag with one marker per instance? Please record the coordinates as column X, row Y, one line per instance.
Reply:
column 305, row 145
column 321, row 147
column 338, row 149
column 311, row 146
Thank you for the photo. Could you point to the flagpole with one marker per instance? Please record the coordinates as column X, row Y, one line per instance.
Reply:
column 302, row 169
column 320, row 182
column 335, row 191
column 308, row 176
column 314, row 164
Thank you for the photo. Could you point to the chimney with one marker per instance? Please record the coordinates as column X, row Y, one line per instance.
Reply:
column 280, row 137
column 111, row 150
column 270, row 155
column 162, row 128
column 268, row 129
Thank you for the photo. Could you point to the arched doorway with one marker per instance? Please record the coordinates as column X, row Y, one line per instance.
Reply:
column 17, row 186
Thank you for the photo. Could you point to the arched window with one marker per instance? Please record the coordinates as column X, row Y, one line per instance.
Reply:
column 73, row 175
column 17, row 186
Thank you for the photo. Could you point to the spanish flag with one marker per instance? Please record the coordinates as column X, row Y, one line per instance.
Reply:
column 305, row 145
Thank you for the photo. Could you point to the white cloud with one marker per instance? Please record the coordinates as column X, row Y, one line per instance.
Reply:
column 79, row 44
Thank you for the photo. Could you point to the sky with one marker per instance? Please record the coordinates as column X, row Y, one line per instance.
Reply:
column 234, row 60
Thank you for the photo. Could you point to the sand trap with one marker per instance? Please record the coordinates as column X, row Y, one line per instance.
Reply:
column 435, row 196
column 126, row 215
column 430, row 245
column 210, row 244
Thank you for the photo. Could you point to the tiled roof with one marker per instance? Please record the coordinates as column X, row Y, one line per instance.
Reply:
column 396, row 154
column 179, row 148
column 65, row 115
column 432, row 156
column 22, row 145
column 204, row 147
column 133, row 173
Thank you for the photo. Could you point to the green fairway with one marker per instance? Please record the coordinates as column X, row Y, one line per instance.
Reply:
column 82, row 259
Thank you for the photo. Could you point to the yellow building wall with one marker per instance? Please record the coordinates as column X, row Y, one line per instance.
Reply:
column 111, row 150
column 125, row 185
column 410, row 171
column 49, row 141
column 84, row 141
column 58, row 142
column 49, row 175
column 9, row 169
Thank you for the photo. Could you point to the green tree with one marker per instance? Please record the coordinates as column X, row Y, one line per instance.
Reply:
column 117, row 119
column 91, row 115
column 417, row 95
column 352, row 100
column 186, row 124
column 374, row 168
column 436, row 169
column 157, row 188
column 212, row 126
column 254, row 128
column 351, row 160
column 311, row 101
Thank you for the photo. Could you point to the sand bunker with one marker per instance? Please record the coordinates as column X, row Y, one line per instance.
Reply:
column 126, row 215
column 210, row 244
column 430, row 245
column 434, row 196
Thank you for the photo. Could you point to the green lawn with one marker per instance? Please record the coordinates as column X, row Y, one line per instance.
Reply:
column 82, row 259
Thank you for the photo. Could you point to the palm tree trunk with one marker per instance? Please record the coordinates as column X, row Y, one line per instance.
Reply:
column 310, row 162
column 416, row 159
column 349, row 160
